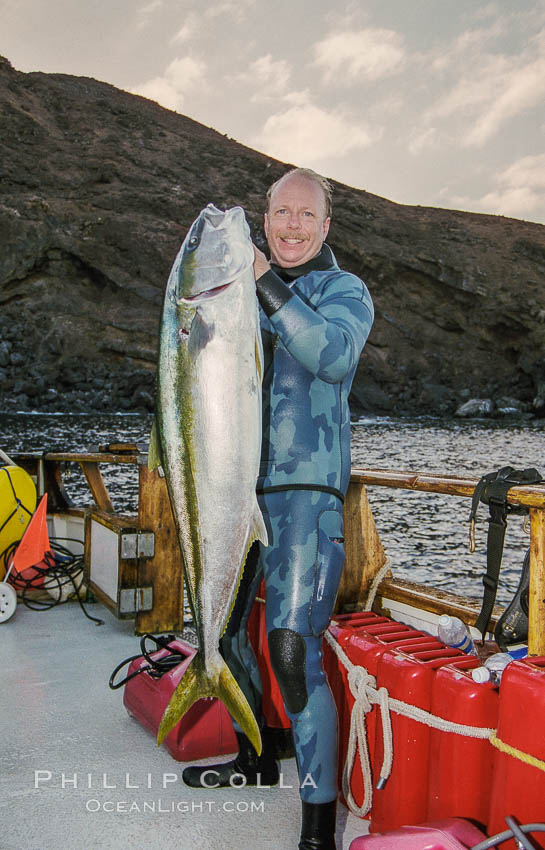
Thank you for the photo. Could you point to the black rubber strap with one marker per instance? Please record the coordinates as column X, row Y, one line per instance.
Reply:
column 322, row 488
column 497, row 524
column 492, row 489
column 272, row 292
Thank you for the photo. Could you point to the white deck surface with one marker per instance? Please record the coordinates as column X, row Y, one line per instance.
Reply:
column 63, row 730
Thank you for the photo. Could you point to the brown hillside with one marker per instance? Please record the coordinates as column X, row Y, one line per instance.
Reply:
column 97, row 188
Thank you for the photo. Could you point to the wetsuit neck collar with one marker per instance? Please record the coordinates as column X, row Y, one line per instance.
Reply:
column 321, row 262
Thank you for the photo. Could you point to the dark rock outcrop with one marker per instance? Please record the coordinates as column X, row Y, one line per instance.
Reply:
column 97, row 190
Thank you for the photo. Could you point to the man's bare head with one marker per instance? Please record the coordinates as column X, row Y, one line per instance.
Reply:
column 308, row 174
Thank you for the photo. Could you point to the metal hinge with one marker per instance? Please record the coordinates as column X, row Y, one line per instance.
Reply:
column 135, row 599
column 138, row 545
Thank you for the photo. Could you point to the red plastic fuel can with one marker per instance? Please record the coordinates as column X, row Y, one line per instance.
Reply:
column 342, row 628
column 205, row 730
column 518, row 788
column 460, row 767
column 408, row 676
column 364, row 645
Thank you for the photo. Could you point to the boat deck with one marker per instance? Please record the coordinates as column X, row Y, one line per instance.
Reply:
column 77, row 772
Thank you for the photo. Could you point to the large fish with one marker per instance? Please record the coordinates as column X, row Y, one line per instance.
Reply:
column 207, row 437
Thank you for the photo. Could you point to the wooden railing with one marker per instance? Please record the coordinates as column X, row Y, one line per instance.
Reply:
column 365, row 554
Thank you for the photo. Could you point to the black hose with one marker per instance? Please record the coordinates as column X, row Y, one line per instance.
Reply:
column 505, row 836
column 156, row 667
column 59, row 569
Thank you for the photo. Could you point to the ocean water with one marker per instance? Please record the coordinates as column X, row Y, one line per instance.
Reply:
column 425, row 535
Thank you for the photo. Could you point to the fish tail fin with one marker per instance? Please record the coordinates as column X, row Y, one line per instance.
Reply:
column 197, row 683
column 238, row 707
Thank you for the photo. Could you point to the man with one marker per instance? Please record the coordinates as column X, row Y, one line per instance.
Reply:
column 315, row 319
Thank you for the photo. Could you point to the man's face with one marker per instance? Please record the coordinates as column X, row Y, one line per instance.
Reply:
column 295, row 224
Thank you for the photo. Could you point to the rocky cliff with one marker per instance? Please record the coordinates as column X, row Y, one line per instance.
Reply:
column 97, row 189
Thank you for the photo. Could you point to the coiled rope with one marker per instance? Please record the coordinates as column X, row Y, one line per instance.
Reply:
column 363, row 688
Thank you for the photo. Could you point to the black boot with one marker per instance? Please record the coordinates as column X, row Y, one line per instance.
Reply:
column 246, row 769
column 318, row 826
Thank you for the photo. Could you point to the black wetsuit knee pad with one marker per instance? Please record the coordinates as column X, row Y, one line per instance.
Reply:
column 288, row 655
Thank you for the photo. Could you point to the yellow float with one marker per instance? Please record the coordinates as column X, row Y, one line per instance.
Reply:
column 17, row 504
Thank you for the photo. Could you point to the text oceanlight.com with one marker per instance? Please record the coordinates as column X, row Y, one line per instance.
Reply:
column 205, row 807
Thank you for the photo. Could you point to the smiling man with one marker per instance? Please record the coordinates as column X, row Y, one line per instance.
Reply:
column 315, row 319
column 297, row 219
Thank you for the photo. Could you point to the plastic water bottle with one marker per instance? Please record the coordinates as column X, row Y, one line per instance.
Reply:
column 496, row 664
column 453, row 632
column 493, row 668
column 518, row 650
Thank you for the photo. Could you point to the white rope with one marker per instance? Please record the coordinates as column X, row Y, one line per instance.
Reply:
column 375, row 583
column 7, row 460
column 358, row 679
column 363, row 687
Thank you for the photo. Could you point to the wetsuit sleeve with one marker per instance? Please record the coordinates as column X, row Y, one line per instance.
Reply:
column 327, row 339
column 272, row 292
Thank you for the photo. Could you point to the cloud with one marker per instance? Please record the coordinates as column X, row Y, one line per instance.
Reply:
column 492, row 89
column 520, row 191
column 348, row 57
column 422, row 140
column 180, row 76
column 270, row 77
column 188, row 30
column 146, row 13
column 233, row 8
column 308, row 134
column 523, row 87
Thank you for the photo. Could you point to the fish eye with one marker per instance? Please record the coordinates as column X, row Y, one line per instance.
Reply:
column 193, row 242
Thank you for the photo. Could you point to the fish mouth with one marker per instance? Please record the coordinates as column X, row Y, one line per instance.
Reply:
column 207, row 293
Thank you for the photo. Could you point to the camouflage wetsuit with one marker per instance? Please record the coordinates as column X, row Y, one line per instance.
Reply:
column 315, row 320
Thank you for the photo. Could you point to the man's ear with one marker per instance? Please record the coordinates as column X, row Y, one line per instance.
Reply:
column 327, row 222
column 266, row 224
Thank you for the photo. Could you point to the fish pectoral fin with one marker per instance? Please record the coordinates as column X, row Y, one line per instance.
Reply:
column 259, row 356
column 155, row 457
column 259, row 531
column 197, row 683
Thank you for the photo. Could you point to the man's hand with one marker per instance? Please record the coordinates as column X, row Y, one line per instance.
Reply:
column 261, row 263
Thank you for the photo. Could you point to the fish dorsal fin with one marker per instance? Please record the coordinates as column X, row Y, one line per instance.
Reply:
column 155, row 457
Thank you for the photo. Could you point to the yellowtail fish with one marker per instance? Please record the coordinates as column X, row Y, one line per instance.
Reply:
column 207, row 437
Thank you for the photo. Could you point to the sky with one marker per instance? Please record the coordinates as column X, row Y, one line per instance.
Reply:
column 431, row 102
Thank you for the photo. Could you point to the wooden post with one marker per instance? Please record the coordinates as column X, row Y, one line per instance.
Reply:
column 536, row 601
column 363, row 549
column 164, row 571
column 97, row 486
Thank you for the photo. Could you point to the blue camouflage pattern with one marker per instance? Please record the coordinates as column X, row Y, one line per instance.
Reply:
column 312, row 346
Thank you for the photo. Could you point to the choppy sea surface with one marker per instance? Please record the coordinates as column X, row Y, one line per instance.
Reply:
column 425, row 535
